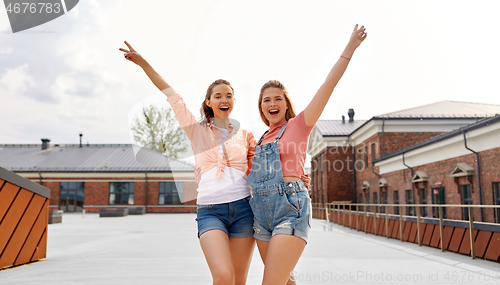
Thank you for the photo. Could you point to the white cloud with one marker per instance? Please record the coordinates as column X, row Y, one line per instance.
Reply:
column 6, row 50
column 18, row 79
column 75, row 79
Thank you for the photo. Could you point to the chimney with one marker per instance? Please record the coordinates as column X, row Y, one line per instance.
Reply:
column 45, row 144
column 351, row 115
column 343, row 119
column 81, row 135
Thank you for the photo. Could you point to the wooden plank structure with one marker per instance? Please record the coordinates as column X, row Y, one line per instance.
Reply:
column 476, row 239
column 24, row 209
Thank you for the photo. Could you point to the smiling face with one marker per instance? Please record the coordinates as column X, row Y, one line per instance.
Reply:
column 221, row 101
column 274, row 105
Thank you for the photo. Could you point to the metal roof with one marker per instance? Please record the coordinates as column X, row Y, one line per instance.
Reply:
column 479, row 124
column 333, row 128
column 445, row 109
column 88, row 158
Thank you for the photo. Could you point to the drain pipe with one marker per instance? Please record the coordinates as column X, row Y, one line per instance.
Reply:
column 378, row 175
column 355, row 198
column 146, row 194
column 412, row 184
column 383, row 143
column 478, row 174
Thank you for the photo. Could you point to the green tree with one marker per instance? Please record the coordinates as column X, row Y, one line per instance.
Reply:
column 158, row 130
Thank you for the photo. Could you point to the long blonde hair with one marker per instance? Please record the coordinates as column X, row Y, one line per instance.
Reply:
column 290, row 112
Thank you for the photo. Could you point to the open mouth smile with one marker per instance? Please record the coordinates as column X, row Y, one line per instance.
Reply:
column 273, row 112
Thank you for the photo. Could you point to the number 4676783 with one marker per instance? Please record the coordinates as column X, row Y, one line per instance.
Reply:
column 23, row 8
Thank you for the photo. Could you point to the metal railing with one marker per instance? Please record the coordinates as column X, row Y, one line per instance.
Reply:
column 335, row 209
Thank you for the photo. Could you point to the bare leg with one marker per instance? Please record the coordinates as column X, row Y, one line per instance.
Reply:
column 263, row 250
column 215, row 246
column 241, row 253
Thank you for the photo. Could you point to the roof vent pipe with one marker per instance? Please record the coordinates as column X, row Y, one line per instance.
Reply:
column 343, row 119
column 45, row 144
column 81, row 135
column 351, row 115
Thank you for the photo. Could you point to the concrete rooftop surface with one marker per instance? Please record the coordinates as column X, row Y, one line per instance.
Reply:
column 164, row 249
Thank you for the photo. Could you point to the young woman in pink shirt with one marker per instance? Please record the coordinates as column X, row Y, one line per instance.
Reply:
column 280, row 201
column 223, row 158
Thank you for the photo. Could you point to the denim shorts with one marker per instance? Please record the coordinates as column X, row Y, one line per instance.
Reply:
column 283, row 208
column 233, row 218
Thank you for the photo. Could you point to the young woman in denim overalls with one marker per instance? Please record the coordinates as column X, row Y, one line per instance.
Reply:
column 280, row 201
column 223, row 156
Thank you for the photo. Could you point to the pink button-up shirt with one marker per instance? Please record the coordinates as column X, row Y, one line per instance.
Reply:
column 206, row 140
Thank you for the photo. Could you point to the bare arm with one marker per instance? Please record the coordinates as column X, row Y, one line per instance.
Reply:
column 318, row 103
column 132, row 55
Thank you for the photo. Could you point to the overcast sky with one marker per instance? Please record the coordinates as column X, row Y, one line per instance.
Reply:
column 67, row 76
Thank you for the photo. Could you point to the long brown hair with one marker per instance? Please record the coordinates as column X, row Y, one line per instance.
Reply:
column 207, row 113
column 290, row 112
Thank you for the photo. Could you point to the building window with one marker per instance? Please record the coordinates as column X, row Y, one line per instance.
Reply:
column 71, row 196
column 367, row 195
column 438, row 197
column 169, row 193
column 410, row 211
column 373, row 152
column 496, row 194
column 383, row 200
column 359, row 161
column 375, row 199
column 317, row 184
column 360, row 200
column 121, row 193
column 423, row 200
column 466, row 199
column 396, row 201
column 366, row 156
column 320, row 178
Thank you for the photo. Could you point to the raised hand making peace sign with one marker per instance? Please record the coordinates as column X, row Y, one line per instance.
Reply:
column 132, row 55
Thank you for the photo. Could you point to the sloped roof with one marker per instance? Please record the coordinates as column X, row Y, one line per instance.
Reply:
column 88, row 158
column 445, row 109
column 479, row 124
column 332, row 128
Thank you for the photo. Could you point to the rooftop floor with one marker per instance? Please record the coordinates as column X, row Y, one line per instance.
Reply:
column 164, row 249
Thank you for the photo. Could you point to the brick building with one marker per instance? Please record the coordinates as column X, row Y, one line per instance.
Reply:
column 416, row 155
column 97, row 176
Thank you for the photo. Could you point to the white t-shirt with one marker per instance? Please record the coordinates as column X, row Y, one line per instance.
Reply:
column 231, row 186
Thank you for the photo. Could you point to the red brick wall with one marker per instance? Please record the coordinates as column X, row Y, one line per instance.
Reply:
column 339, row 177
column 97, row 193
column 332, row 178
column 439, row 176
column 397, row 141
column 364, row 167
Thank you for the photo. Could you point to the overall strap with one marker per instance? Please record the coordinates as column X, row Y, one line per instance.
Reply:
column 281, row 132
column 262, row 137
column 277, row 137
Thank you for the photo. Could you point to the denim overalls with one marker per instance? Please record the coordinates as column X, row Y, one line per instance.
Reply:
column 279, row 207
